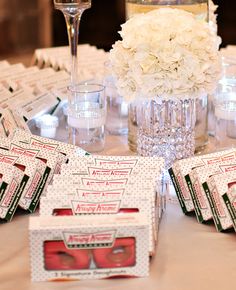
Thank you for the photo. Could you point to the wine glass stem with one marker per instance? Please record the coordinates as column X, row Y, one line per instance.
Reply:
column 72, row 23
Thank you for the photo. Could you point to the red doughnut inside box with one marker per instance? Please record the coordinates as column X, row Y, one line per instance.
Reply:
column 68, row 211
column 58, row 257
column 128, row 210
column 122, row 254
column 62, row 211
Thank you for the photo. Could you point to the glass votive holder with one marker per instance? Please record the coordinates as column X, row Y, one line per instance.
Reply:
column 225, row 114
column 117, row 111
column 86, row 116
column 48, row 125
column 117, row 107
column 229, row 69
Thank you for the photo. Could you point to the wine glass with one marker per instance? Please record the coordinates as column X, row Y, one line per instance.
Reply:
column 73, row 10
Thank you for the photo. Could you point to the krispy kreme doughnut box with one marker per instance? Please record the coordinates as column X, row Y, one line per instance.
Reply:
column 215, row 187
column 115, row 172
column 91, row 247
column 108, row 183
column 200, row 175
column 181, row 169
column 49, row 144
column 34, row 169
column 91, row 204
column 127, row 196
column 151, row 168
column 81, row 168
column 52, row 159
column 148, row 166
column 142, row 174
column 123, row 161
column 36, row 150
column 11, row 119
column 106, row 186
column 102, row 188
column 13, row 182
column 62, row 181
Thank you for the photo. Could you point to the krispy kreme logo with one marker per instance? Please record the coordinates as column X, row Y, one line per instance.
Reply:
column 89, row 240
column 47, row 146
column 9, row 194
column 91, row 182
column 222, row 158
column 80, row 207
column 22, row 151
column 33, row 185
column 228, row 168
column 199, row 194
column 8, row 159
column 116, row 162
column 109, row 172
column 182, row 187
column 217, row 202
column 118, row 193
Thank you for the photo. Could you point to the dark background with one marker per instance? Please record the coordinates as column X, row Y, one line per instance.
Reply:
column 29, row 24
column 227, row 21
column 99, row 25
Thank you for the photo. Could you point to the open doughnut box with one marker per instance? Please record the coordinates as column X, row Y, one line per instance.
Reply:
column 91, row 247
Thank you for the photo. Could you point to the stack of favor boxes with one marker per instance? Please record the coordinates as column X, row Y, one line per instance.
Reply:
column 26, row 93
column 27, row 166
column 206, row 184
column 99, row 219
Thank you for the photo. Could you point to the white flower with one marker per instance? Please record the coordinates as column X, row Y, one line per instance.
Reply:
column 168, row 53
column 213, row 15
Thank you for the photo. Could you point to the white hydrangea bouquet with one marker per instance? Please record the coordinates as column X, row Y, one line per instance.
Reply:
column 168, row 53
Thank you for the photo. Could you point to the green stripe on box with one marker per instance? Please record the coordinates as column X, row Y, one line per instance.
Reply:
column 40, row 189
column 16, row 199
column 213, row 208
column 177, row 190
column 230, row 208
column 3, row 189
column 194, row 199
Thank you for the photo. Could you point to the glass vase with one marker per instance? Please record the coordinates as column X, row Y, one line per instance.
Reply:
column 166, row 129
column 201, row 125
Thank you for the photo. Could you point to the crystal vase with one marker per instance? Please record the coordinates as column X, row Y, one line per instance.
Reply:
column 166, row 129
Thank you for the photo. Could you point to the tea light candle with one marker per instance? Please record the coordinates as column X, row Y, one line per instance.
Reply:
column 48, row 125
